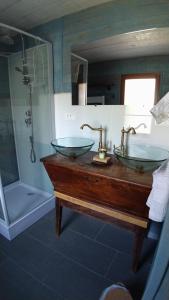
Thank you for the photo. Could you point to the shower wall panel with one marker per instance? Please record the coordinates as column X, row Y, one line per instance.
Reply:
column 8, row 160
column 38, row 67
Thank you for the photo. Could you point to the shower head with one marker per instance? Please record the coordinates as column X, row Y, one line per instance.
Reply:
column 5, row 36
column 6, row 39
column 24, row 72
column 5, row 53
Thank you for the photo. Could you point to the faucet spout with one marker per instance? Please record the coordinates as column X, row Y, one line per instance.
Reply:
column 124, row 142
column 92, row 128
column 139, row 125
column 100, row 129
column 132, row 130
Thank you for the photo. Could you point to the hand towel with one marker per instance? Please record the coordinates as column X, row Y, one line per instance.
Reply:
column 159, row 196
column 160, row 111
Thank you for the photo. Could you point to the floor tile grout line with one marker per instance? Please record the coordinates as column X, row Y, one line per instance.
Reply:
column 100, row 243
column 111, row 263
column 119, row 252
column 35, row 278
column 5, row 254
column 81, row 265
column 91, row 239
column 99, row 231
column 88, row 238
column 70, row 259
column 4, row 261
column 78, row 233
column 84, row 236
column 43, row 282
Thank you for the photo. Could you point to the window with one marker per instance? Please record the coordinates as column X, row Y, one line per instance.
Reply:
column 140, row 91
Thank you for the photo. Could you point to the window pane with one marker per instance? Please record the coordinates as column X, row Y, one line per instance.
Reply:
column 140, row 93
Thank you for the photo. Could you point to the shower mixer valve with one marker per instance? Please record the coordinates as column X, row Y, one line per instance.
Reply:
column 28, row 122
column 28, row 113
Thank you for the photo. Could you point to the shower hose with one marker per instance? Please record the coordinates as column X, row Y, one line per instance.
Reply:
column 31, row 138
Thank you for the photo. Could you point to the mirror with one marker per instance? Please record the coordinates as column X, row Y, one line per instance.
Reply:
column 100, row 69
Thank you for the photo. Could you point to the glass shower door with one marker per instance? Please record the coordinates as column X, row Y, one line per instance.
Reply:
column 3, row 210
column 8, row 160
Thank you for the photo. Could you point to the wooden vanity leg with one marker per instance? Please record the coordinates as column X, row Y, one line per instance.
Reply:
column 58, row 208
column 138, row 243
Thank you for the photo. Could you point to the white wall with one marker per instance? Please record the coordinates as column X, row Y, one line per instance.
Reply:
column 111, row 117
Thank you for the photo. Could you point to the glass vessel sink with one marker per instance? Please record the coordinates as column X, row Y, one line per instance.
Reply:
column 72, row 147
column 142, row 157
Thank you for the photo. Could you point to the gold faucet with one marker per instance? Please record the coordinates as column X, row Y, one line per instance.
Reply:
column 101, row 148
column 123, row 145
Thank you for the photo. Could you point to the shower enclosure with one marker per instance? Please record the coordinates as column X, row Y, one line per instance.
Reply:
column 26, row 129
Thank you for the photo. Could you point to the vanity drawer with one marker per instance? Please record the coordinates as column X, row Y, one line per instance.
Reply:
column 94, row 188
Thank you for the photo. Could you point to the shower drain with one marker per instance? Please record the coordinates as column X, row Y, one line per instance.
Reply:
column 30, row 194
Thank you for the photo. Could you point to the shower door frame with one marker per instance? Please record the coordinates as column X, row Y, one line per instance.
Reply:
column 4, row 208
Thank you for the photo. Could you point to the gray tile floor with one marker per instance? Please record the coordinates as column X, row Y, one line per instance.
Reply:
column 89, row 256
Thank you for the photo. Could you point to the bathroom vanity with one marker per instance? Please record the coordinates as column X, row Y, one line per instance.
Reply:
column 111, row 192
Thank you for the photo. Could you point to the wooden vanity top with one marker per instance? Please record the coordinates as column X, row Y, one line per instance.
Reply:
column 115, row 170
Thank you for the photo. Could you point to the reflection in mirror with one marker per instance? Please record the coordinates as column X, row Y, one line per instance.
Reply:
column 79, row 68
column 148, row 86
column 137, row 55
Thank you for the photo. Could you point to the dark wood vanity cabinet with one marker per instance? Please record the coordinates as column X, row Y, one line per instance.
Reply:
column 112, row 192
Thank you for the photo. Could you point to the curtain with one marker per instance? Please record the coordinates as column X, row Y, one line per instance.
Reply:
column 158, row 282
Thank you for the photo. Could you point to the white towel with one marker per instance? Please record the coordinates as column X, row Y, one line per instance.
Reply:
column 159, row 197
column 160, row 111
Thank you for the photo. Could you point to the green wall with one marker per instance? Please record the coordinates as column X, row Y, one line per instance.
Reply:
column 95, row 23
